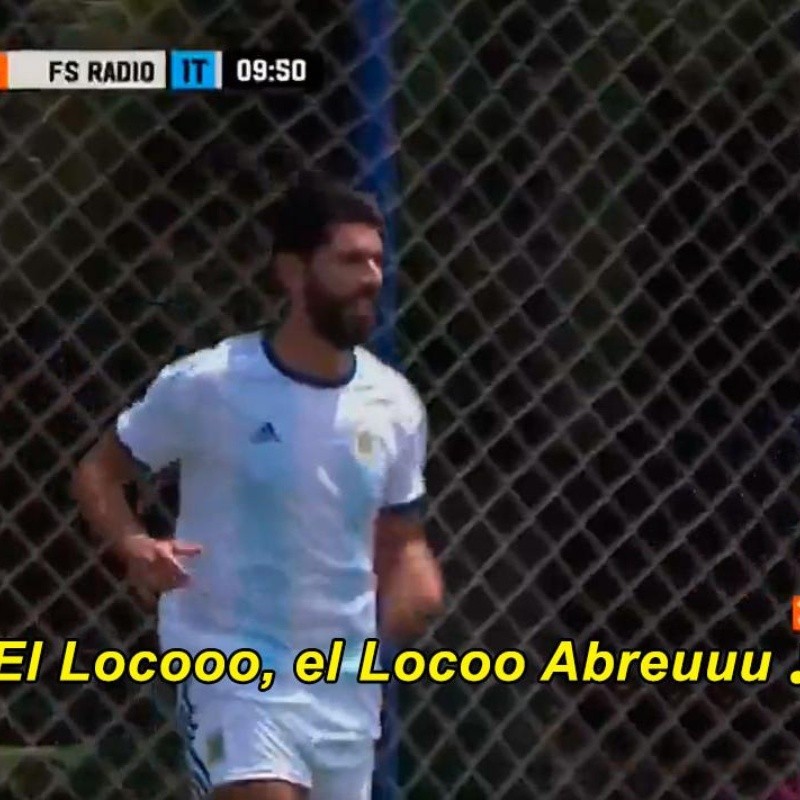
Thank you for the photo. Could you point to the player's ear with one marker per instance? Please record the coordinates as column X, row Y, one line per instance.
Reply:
column 288, row 271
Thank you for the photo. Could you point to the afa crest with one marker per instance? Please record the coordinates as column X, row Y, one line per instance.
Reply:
column 365, row 447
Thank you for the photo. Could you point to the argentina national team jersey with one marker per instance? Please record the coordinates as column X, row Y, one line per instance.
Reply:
column 281, row 478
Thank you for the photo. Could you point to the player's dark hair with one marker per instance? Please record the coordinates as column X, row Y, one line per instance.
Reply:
column 302, row 217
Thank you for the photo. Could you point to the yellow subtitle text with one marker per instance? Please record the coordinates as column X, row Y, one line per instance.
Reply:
column 23, row 661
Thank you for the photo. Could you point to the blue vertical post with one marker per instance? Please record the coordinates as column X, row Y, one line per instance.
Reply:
column 374, row 140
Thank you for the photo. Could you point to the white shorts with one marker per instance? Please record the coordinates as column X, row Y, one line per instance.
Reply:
column 306, row 735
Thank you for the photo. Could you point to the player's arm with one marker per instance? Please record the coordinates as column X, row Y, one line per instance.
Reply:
column 98, row 486
column 150, row 434
column 410, row 584
column 410, row 581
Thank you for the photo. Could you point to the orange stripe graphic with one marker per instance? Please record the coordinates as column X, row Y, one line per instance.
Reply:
column 3, row 71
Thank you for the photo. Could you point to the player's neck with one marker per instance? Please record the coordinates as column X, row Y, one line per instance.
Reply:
column 306, row 353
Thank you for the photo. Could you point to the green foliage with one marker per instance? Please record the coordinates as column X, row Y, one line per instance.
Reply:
column 28, row 772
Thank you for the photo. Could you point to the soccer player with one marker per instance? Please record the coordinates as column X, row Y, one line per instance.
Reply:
column 301, row 462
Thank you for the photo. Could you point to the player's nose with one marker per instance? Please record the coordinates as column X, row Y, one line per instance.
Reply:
column 373, row 275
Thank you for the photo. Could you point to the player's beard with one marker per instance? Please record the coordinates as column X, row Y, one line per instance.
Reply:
column 344, row 322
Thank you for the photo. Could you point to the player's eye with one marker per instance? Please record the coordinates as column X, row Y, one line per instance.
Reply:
column 358, row 258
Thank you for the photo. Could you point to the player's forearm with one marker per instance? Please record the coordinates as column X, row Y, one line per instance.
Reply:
column 404, row 558
column 416, row 569
column 99, row 489
column 411, row 588
column 104, row 506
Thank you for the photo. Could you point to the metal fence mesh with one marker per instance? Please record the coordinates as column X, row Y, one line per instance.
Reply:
column 597, row 215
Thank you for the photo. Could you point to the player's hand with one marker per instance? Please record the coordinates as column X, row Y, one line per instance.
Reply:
column 154, row 566
column 403, row 622
column 408, row 612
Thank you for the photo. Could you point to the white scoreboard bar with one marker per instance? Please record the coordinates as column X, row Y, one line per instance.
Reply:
column 83, row 69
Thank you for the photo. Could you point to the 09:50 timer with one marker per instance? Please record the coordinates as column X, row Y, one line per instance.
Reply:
column 262, row 69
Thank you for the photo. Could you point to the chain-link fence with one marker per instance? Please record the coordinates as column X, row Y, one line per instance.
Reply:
column 596, row 226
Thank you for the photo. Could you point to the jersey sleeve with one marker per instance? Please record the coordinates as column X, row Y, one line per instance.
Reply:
column 405, row 488
column 155, row 427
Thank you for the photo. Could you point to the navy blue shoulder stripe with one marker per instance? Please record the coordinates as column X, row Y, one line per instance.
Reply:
column 410, row 508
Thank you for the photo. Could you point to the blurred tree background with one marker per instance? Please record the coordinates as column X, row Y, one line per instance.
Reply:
column 596, row 230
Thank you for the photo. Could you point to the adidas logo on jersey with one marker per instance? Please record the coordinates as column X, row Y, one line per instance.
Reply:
column 266, row 433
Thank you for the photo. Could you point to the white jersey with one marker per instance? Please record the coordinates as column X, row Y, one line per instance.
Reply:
column 281, row 478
